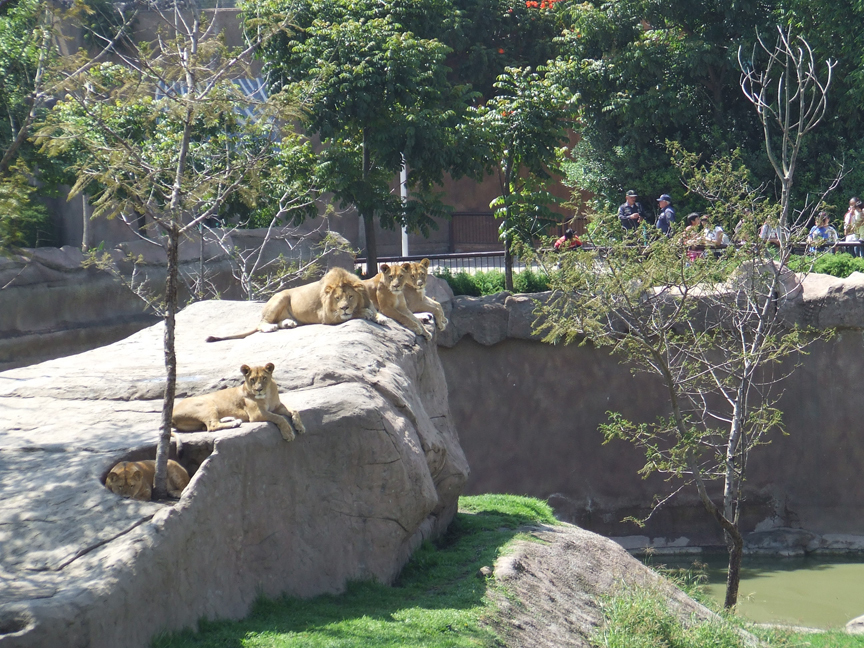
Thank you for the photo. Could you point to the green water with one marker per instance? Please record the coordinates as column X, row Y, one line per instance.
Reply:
column 814, row 592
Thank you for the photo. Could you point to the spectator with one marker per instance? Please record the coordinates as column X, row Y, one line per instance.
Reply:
column 631, row 213
column 770, row 234
column 693, row 236
column 563, row 244
column 666, row 217
column 822, row 234
column 852, row 222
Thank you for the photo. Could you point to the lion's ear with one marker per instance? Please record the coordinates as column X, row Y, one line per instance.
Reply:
column 425, row 263
column 245, row 370
column 384, row 267
column 328, row 289
column 270, row 367
column 406, row 266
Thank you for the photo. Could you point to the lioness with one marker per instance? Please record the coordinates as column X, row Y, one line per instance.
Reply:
column 257, row 399
column 135, row 479
column 336, row 297
column 386, row 290
column 415, row 294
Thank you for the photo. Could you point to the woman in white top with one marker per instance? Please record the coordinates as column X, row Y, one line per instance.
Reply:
column 853, row 220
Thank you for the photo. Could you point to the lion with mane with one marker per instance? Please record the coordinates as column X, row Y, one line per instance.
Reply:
column 337, row 297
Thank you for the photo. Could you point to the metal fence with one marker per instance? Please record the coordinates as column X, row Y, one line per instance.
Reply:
column 457, row 262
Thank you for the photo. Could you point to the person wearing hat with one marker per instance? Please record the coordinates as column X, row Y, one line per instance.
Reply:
column 630, row 213
column 666, row 216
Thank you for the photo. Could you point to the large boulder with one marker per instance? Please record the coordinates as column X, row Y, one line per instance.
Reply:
column 379, row 470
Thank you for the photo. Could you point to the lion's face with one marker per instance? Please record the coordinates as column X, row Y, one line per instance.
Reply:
column 420, row 274
column 125, row 479
column 258, row 379
column 341, row 299
column 396, row 277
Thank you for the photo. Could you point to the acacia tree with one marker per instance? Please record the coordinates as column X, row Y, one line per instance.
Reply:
column 164, row 138
column 523, row 125
column 711, row 328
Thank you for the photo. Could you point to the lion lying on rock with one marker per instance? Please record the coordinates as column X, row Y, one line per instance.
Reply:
column 256, row 400
column 135, row 479
column 337, row 297
column 415, row 294
column 386, row 289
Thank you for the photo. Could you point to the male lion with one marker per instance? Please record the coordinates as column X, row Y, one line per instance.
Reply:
column 257, row 399
column 338, row 296
column 135, row 479
column 386, row 291
column 415, row 294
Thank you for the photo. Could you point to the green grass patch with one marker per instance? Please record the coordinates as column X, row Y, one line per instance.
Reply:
column 438, row 601
column 489, row 283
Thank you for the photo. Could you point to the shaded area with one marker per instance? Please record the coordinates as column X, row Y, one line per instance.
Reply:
column 438, row 599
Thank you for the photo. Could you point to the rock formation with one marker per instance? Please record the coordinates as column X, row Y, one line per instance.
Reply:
column 379, row 470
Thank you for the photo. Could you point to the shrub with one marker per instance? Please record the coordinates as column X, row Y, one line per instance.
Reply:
column 492, row 282
column 837, row 265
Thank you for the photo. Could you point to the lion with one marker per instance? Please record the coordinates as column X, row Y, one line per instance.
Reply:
column 337, row 297
column 415, row 294
column 257, row 399
column 135, row 479
column 386, row 291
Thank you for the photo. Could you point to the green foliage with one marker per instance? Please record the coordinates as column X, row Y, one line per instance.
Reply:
column 648, row 72
column 837, row 265
column 524, row 125
column 491, row 282
column 642, row 618
column 438, row 600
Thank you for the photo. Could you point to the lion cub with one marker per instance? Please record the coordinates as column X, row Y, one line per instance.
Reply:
column 257, row 399
column 135, row 479
column 415, row 294
column 386, row 290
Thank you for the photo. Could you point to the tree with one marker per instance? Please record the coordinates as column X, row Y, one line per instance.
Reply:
column 710, row 327
column 374, row 93
column 524, row 125
column 165, row 139
column 648, row 72
column 790, row 99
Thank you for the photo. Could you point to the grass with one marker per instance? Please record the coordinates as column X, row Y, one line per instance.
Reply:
column 492, row 282
column 439, row 601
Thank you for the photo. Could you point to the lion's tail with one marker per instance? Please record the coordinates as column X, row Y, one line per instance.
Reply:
column 239, row 336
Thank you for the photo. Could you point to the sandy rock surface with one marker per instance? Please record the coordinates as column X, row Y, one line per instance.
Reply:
column 379, row 470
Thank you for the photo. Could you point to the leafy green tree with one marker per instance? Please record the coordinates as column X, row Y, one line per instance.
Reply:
column 709, row 326
column 164, row 138
column 374, row 93
column 647, row 72
column 524, row 125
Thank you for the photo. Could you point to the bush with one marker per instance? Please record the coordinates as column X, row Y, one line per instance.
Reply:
column 837, row 265
column 492, row 282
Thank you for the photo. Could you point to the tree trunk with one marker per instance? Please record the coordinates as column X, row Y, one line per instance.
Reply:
column 735, row 544
column 508, row 265
column 371, row 251
column 367, row 214
column 86, row 236
column 160, row 490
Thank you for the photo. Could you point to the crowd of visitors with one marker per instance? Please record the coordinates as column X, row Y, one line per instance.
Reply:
column 700, row 233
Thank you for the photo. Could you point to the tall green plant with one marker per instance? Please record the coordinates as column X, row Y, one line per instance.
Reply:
column 708, row 326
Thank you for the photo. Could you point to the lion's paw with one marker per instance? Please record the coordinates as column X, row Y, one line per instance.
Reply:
column 381, row 318
column 266, row 327
column 288, row 324
column 234, row 422
column 443, row 323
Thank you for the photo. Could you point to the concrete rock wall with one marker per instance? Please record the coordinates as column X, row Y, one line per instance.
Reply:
column 379, row 470
column 529, row 412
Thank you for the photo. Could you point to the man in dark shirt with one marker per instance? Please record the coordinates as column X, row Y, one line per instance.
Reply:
column 630, row 213
column 666, row 216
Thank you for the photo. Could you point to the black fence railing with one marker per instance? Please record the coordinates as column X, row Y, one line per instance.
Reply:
column 494, row 260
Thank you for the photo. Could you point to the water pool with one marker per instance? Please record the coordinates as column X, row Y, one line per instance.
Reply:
column 819, row 592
